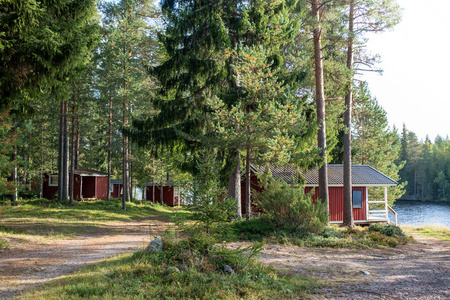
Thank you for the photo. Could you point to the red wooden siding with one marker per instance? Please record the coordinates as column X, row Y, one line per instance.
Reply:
column 49, row 192
column 102, row 187
column 168, row 192
column 88, row 187
column 117, row 190
column 336, row 198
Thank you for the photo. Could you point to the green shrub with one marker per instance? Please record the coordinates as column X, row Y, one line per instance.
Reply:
column 386, row 229
column 290, row 208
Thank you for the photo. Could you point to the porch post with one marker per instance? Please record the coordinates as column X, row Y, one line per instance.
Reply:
column 81, row 187
column 95, row 185
column 367, row 203
column 386, row 202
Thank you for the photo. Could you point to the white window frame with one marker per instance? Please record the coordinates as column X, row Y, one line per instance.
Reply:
column 50, row 180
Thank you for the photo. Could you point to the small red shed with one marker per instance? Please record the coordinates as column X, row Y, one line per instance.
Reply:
column 171, row 193
column 87, row 184
column 363, row 177
column 116, row 188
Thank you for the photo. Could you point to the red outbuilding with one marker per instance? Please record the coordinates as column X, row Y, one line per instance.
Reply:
column 363, row 177
column 116, row 188
column 88, row 184
column 171, row 193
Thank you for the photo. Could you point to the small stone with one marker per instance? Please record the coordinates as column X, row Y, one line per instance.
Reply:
column 172, row 270
column 275, row 246
column 155, row 245
column 227, row 269
column 365, row 272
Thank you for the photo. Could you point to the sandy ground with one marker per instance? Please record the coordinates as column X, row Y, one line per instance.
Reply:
column 418, row 270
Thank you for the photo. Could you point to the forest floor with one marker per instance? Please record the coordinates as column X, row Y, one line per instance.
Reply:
column 418, row 270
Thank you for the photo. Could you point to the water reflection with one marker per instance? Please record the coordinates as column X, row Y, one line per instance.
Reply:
column 420, row 213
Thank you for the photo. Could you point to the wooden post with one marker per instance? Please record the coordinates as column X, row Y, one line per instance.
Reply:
column 386, row 203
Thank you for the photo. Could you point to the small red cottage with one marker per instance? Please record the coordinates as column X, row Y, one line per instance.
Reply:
column 363, row 177
column 116, row 188
column 88, row 184
column 171, row 193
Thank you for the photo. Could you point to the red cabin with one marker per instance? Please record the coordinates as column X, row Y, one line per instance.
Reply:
column 363, row 177
column 116, row 188
column 171, row 193
column 88, row 184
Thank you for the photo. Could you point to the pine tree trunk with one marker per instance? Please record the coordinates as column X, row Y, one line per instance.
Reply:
column 248, row 205
column 153, row 182
column 72, row 154
column 234, row 185
column 77, row 144
column 60, row 150
column 14, row 194
column 320, row 103
column 161, row 192
column 348, row 210
column 65, row 191
column 108, row 196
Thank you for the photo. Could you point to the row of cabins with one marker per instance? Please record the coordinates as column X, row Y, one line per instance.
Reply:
column 94, row 184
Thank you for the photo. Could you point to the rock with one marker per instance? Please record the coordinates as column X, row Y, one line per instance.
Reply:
column 365, row 272
column 172, row 270
column 227, row 269
column 155, row 245
column 275, row 246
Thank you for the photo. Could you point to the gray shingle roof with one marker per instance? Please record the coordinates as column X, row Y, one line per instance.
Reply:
column 361, row 175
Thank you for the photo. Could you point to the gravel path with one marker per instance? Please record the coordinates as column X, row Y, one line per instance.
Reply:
column 22, row 268
column 418, row 270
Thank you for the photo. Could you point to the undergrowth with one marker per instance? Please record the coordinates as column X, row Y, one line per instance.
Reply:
column 145, row 275
column 263, row 229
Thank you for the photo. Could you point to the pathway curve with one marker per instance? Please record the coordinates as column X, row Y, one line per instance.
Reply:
column 27, row 267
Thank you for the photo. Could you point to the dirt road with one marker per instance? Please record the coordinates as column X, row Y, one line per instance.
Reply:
column 26, row 266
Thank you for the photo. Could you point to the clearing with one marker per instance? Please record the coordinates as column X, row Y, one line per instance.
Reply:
column 419, row 270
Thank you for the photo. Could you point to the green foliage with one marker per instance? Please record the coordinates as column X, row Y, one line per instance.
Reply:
column 289, row 207
column 143, row 275
column 427, row 168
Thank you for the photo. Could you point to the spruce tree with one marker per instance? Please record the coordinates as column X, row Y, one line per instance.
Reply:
column 198, row 38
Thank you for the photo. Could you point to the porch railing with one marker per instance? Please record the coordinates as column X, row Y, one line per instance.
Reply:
column 381, row 215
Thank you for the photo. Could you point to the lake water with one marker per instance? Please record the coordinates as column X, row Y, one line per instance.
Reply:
column 421, row 213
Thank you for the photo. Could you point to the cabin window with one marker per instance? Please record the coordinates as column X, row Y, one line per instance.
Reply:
column 111, row 188
column 357, row 199
column 53, row 180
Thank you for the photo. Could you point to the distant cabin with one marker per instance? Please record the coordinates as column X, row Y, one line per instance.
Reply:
column 88, row 184
column 172, row 193
column 364, row 177
column 116, row 188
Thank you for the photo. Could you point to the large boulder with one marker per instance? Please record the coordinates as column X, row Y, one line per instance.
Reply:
column 155, row 245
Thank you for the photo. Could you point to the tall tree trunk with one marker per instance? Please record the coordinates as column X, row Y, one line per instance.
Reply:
column 65, row 191
column 72, row 154
column 348, row 210
column 14, row 194
column 108, row 196
column 320, row 102
column 248, row 205
column 60, row 150
column 77, row 144
column 153, row 182
column 41, row 167
column 161, row 191
column 234, row 185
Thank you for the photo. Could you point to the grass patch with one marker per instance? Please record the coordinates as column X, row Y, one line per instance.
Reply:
column 4, row 244
column 435, row 231
column 144, row 275
column 53, row 220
